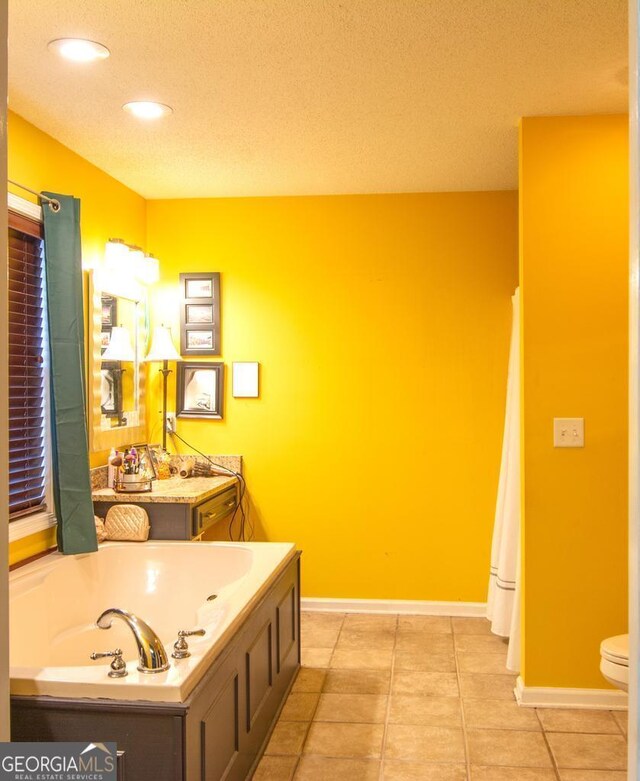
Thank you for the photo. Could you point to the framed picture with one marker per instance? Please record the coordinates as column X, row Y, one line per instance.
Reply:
column 161, row 461
column 198, row 288
column 145, row 464
column 105, row 338
column 199, row 340
column 111, row 389
column 200, row 390
column 109, row 310
column 156, row 452
column 200, row 313
column 244, row 379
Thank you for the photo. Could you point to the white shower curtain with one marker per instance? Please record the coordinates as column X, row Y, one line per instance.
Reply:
column 503, row 601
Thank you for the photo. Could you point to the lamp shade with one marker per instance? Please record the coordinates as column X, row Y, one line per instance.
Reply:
column 119, row 348
column 162, row 348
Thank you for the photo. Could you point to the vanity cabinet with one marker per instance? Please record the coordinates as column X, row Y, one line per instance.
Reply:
column 213, row 510
column 221, row 729
column 174, row 517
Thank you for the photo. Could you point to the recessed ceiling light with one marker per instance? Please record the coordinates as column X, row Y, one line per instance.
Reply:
column 147, row 109
column 79, row 50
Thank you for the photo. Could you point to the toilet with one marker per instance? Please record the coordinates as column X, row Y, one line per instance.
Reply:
column 614, row 660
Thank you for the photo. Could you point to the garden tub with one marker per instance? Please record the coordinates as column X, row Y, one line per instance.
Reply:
column 172, row 586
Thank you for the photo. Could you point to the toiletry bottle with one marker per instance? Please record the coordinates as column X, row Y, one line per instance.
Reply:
column 111, row 470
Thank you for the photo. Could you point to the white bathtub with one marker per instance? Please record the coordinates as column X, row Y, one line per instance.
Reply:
column 55, row 601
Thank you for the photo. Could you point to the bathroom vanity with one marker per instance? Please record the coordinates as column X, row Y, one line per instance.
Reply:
column 178, row 509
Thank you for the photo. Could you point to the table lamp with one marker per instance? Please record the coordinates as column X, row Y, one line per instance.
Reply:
column 119, row 347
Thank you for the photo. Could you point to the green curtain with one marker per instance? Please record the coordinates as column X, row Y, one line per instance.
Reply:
column 70, row 451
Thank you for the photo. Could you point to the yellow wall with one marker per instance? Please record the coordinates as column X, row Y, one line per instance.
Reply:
column 381, row 324
column 108, row 208
column 574, row 283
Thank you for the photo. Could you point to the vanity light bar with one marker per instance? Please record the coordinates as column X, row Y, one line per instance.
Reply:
column 121, row 256
column 149, row 272
column 115, row 253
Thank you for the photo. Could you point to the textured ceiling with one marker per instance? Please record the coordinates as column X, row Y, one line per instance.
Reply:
column 291, row 97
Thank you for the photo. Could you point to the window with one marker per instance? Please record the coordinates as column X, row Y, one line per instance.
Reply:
column 28, row 440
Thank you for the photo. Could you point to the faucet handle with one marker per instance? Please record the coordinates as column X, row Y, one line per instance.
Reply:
column 180, row 647
column 118, row 665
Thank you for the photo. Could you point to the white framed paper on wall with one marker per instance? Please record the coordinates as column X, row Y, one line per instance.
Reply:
column 245, row 379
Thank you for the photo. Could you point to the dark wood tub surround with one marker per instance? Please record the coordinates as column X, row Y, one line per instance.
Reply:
column 219, row 732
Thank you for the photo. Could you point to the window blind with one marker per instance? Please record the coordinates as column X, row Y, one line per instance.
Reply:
column 27, row 432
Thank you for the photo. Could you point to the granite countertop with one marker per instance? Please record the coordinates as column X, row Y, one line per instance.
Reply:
column 189, row 490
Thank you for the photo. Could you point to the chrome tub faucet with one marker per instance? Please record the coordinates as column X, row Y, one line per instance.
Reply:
column 152, row 658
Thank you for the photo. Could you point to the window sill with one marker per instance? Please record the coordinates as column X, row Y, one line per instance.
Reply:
column 25, row 527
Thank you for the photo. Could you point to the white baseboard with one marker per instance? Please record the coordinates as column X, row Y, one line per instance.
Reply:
column 556, row 697
column 405, row 606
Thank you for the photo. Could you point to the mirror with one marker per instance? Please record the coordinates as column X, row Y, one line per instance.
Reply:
column 119, row 403
column 116, row 369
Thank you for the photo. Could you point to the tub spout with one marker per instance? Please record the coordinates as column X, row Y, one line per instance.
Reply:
column 152, row 657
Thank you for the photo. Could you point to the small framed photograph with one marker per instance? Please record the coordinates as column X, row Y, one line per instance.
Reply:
column 161, row 462
column 197, row 314
column 111, row 389
column 109, row 310
column 105, row 338
column 145, row 465
column 198, row 288
column 200, row 313
column 200, row 390
column 199, row 340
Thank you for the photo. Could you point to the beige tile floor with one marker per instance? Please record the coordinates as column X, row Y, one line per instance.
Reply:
column 389, row 698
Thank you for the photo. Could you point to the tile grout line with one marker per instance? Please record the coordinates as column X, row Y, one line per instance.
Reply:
column 295, row 767
column 310, row 722
column 618, row 725
column 465, row 740
column 388, row 708
column 556, row 770
column 386, row 723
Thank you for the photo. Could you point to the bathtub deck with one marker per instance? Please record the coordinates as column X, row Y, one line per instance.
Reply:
column 223, row 726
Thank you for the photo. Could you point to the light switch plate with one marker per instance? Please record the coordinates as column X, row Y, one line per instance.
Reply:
column 568, row 432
